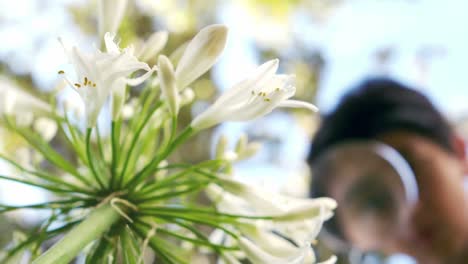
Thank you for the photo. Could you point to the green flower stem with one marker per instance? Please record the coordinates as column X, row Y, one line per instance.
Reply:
column 51, row 188
column 99, row 221
column 115, row 140
column 194, row 241
column 152, row 165
column 169, row 252
column 49, row 178
column 146, row 103
column 203, row 211
column 172, row 217
column 90, row 158
column 46, row 150
column 61, row 204
column 100, row 144
column 134, row 141
column 74, row 140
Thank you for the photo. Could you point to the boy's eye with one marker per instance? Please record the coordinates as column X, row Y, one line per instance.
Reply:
column 372, row 196
column 380, row 203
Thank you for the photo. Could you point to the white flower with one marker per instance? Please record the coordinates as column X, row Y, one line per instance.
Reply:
column 228, row 258
column 111, row 13
column 168, row 84
column 280, row 207
column 331, row 260
column 268, row 241
column 99, row 73
column 259, row 256
column 201, row 53
column 252, row 98
column 14, row 101
column 298, row 219
column 46, row 127
column 152, row 46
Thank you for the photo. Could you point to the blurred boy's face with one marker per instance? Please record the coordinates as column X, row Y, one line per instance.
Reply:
column 434, row 229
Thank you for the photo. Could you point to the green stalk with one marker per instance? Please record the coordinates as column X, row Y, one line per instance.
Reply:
column 134, row 141
column 115, row 140
column 149, row 168
column 90, row 158
column 98, row 222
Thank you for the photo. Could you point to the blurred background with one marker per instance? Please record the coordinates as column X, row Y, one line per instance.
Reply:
column 328, row 44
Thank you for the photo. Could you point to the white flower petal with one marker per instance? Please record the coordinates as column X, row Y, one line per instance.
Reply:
column 298, row 104
column 331, row 260
column 259, row 256
column 111, row 46
column 272, row 243
column 243, row 90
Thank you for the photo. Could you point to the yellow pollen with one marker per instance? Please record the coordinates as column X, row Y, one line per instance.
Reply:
column 61, row 72
column 86, row 81
column 253, row 93
column 267, row 100
column 94, row 85
column 277, row 89
column 77, row 85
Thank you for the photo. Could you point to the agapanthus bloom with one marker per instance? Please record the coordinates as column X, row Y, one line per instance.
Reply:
column 98, row 73
column 253, row 97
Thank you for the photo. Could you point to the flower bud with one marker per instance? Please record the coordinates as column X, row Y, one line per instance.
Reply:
column 241, row 143
column 111, row 13
column 221, row 146
column 201, row 53
column 153, row 46
column 168, row 84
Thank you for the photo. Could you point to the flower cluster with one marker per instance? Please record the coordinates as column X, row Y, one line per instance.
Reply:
column 123, row 195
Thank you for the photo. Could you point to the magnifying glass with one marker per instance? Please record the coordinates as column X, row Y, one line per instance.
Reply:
column 374, row 186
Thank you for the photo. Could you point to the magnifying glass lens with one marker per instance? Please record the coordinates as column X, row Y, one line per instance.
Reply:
column 372, row 183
